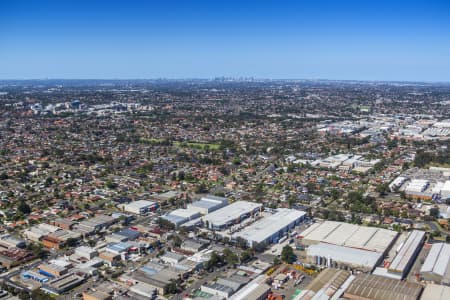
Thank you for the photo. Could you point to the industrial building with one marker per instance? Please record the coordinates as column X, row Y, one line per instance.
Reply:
column 54, row 269
column 255, row 289
column 435, row 292
column 217, row 289
column 14, row 257
column 270, row 229
column 123, row 235
column 95, row 224
column 436, row 267
column 208, row 204
column 8, row 241
column 329, row 255
column 140, row 207
column 343, row 245
column 366, row 286
column 231, row 214
column 180, row 216
column 86, row 252
column 34, row 276
column 397, row 183
column 407, row 254
column 326, row 285
column 348, row 235
column 62, row 284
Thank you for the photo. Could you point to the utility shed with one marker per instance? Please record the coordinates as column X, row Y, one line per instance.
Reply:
column 366, row 286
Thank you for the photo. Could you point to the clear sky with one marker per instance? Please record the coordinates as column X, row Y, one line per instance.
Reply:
column 364, row 40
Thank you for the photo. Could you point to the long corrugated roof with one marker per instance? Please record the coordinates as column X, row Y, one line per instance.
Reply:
column 437, row 260
column 406, row 253
column 357, row 257
column 350, row 235
column 231, row 212
column 266, row 227
column 377, row 287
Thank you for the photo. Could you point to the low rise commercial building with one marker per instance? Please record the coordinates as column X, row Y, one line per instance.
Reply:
column 140, row 207
column 62, row 284
column 86, row 252
column 14, row 257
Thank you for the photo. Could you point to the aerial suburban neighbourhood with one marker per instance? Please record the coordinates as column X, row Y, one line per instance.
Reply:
column 205, row 189
column 224, row 150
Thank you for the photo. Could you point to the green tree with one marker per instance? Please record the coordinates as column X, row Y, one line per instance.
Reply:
column 287, row 255
column 230, row 257
column 172, row 287
column 24, row 208
column 246, row 255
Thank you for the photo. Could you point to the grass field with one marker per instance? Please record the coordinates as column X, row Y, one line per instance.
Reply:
column 197, row 145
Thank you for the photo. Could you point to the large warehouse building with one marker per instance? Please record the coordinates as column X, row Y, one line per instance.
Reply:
column 346, row 245
column 436, row 267
column 232, row 214
column 374, row 287
column 330, row 255
column 407, row 254
column 270, row 229
column 181, row 216
column 208, row 204
column 348, row 235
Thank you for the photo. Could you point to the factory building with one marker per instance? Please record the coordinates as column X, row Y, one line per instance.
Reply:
column 232, row 214
column 407, row 254
column 270, row 229
column 343, row 245
column 436, row 267
column 329, row 255
column 208, row 204
column 348, row 235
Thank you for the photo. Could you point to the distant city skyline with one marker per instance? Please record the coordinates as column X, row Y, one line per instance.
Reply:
column 336, row 40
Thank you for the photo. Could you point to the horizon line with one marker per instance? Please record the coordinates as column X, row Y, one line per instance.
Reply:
column 236, row 78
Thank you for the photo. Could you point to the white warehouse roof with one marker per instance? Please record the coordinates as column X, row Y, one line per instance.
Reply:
column 135, row 205
column 407, row 251
column 437, row 260
column 357, row 257
column 265, row 228
column 350, row 235
column 231, row 212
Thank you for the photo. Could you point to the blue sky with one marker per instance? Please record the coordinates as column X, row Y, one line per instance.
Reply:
column 364, row 40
